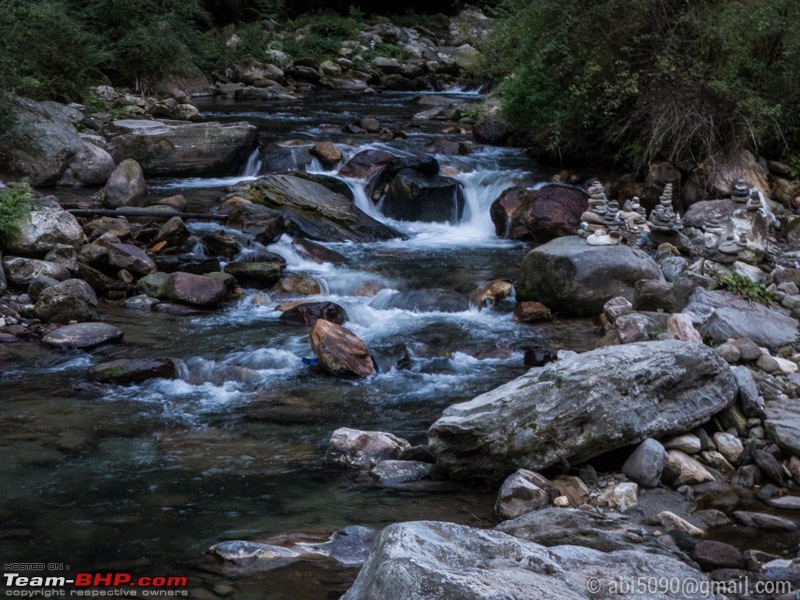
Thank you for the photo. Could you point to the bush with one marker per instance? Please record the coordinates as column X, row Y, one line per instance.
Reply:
column 742, row 286
column 15, row 203
column 646, row 79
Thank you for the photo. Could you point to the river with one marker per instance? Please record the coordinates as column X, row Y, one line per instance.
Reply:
column 145, row 478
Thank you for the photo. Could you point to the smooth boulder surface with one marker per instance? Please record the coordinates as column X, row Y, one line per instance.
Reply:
column 180, row 148
column 783, row 423
column 539, row 215
column 196, row 290
column 365, row 163
column 315, row 212
column 125, row 185
column 45, row 229
column 582, row 406
column 572, row 278
column 130, row 257
column 83, row 336
column 339, row 351
column 363, row 449
column 646, row 463
column 428, row 560
column 308, row 313
column 413, row 196
column 722, row 316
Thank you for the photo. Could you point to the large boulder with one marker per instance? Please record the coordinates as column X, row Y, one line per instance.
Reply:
column 582, row 406
column 263, row 224
column 44, row 229
column 339, row 351
column 539, row 215
column 125, row 185
column 131, row 258
column 261, row 274
column 748, row 227
column 783, row 423
column 314, row 211
column 716, row 176
column 426, row 560
column 573, row 278
column 50, row 149
column 70, row 300
column 309, row 313
column 91, row 166
column 722, row 316
column 179, row 148
column 491, row 130
column 413, row 196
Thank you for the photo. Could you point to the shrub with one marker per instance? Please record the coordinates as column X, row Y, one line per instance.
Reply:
column 741, row 285
column 16, row 202
column 645, row 79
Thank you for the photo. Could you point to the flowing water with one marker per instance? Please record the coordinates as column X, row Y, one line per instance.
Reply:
column 145, row 478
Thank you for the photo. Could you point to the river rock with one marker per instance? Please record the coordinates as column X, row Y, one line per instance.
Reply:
column 22, row 271
column 252, row 554
column 531, row 312
column 300, row 285
column 681, row 469
column 327, row 153
column 181, row 149
column 262, row 274
column 783, row 423
column 363, row 449
column 154, row 285
column 131, row 258
column 729, row 446
column 582, row 406
column 125, row 371
column 51, row 150
column 44, row 229
column 116, row 226
column 574, row 278
column 491, row 130
column 440, row 561
column 219, row 243
column 717, row 555
column 340, row 351
column 722, row 315
column 83, row 336
column 307, row 313
column 646, row 463
column 365, row 163
column 70, row 300
column 125, row 185
column 687, row 443
column 264, row 225
column 750, row 400
column 318, row 253
column 414, row 197
column 764, row 521
column 520, row 493
column 570, row 526
column 491, row 293
column 394, row 472
column 680, row 327
column 196, row 290
column 314, row 211
column 174, row 233
column 539, row 215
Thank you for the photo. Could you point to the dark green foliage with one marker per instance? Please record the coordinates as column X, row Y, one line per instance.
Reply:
column 642, row 79
column 15, row 202
column 738, row 284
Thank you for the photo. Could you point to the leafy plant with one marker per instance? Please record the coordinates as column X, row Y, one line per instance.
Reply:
column 741, row 285
column 16, row 202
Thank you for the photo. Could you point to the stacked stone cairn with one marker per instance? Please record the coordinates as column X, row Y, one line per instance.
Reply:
column 663, row 217
column 594, row 218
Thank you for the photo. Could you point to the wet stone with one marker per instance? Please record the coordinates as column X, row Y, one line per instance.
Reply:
column 83, row 336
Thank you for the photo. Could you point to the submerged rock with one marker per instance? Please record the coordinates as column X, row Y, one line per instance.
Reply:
column 125, row 371
column 249, row 554
column 340, row 351
column 571, row 277
column 581, row 407
column 363, row 449
column 413, row 196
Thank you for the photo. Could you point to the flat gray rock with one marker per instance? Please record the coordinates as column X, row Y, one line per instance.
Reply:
column 83, row 336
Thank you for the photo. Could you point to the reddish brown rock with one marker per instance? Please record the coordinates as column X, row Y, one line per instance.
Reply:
column 531, row 312
column 327, row 153
column 365, row 163
column 196, row 290
column 340, row 351
column 539, row 215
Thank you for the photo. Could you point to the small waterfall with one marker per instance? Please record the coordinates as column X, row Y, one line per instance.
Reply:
column 254, row 165
column 481, row 189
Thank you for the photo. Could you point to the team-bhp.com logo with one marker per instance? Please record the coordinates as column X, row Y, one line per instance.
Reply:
column 86, row 584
